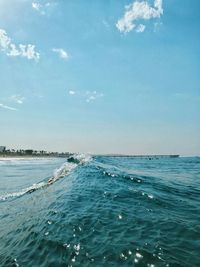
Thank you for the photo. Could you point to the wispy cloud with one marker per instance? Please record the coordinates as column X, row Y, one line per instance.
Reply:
column 71, row 92
column 88, row 96
column 13, row 50
column 106, row 24
column 139, row 10
column 36, row 6
column 61, row 53
column 41, row 8
column 157, row 26
column 17, row 99
column 7, row 107
column 92, row 96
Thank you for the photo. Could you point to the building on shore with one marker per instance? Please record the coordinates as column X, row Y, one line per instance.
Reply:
column 2, row 149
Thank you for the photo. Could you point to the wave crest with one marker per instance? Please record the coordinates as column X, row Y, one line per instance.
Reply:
column 66, row 168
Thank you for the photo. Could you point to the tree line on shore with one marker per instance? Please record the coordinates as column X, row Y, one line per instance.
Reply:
column 31, row 152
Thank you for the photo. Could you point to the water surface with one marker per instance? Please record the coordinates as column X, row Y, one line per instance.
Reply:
column 100, row 211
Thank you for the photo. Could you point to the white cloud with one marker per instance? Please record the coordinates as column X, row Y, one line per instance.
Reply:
column 92, row 96
column 72, row 92
column 36, row 6
column 7, row 107
column 4, row 40
column 88, row 96
column 12, row 50
column 17, row 99
column 41, row 8
column 139, row 10
column 61, row 52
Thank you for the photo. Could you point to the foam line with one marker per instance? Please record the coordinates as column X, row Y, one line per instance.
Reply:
column 66, row 168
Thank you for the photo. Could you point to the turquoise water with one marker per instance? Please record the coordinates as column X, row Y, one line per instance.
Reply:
column 100, row 211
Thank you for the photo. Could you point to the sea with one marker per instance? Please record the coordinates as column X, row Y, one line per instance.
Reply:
column 100, row 211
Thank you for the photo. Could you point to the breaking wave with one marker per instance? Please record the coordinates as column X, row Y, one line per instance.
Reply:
column 65, row 169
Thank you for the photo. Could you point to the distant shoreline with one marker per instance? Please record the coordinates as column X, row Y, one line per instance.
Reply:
column 30, row 156
column 104, row 155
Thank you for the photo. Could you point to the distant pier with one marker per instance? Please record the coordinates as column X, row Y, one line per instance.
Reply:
column 142, row 156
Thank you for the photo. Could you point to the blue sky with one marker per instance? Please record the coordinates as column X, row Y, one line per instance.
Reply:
column 101, row 76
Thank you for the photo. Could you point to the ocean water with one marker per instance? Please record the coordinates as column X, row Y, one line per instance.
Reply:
column 100, row 211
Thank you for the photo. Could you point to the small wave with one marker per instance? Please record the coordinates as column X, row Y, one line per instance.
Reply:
column 79, row 158
column 124, row 176
column 29, row 189
column 72, row 163
column 63, row 170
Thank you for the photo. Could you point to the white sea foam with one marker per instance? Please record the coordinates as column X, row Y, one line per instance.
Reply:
column 69, row 166
column 60, row 172
column 23, row 191
column 83, row 158
column 63, row 170
column 24, row 160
